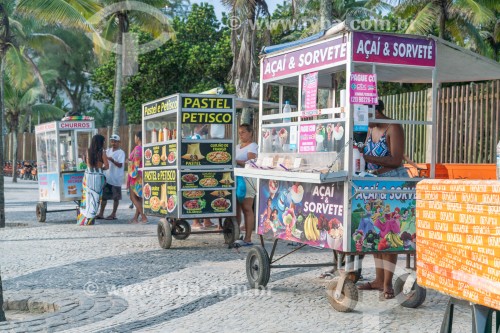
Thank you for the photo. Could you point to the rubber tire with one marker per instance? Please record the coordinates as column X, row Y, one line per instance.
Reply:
column 185, row 230
column 414, row 299
column 231, row 230
column 348, row 302
column 258, row 267
column 164, row 234
column 355, row 276
column 41, row 211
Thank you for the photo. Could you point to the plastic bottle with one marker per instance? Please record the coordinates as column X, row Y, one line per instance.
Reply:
column 356, row 159
column 154, row 138
column 498, row 160
column 287, row 109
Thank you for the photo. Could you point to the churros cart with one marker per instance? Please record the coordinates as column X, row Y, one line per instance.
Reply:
column 188, row 165
column 60, row 149
column 312, row 188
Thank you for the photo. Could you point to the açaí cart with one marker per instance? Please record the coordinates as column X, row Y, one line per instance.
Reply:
column 60, row 147
column 310, row 190
column 188, row 165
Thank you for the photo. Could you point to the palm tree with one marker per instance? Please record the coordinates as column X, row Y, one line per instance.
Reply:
column 243, row 41
column 460, row 21
column 19, row 105
column 60, row 12
column 116, row 26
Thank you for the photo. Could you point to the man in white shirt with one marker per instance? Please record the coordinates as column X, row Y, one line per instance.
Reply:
column 114, row 177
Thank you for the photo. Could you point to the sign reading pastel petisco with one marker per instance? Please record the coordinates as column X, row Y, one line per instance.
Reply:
column 196, row 154
column 207, row 117
column 207, row 103
column 207, row 202
column 219, row 179
column 160, row 155
column 160, row 192
column 160, row 106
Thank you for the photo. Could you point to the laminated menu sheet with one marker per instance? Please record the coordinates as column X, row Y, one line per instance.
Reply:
column 458, row 239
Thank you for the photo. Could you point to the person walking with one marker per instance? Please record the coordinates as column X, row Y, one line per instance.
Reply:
column 114, row 178
column 93, row 181
column 135, row 179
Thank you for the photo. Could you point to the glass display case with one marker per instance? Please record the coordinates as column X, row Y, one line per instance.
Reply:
column 188, row 149
column 60, row 150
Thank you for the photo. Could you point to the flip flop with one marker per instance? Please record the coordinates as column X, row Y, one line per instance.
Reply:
column 368, row 286
column 111, row 218
column 99, row 217
column 133, row 222
column 389, row 294
column 240, row 242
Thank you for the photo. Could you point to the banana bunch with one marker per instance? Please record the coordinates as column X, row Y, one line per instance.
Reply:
column 394, row 239
column 311, row 227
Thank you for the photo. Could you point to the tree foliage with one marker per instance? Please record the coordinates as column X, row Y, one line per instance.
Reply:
column 197, row 60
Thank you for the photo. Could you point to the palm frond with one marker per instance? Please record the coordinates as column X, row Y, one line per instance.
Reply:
column 424, row 21
column 48, row 110
column 29, row 97
column 60, row 12
column 39, row 42
column 16, row 27
column 474, row 11
column 17, row 69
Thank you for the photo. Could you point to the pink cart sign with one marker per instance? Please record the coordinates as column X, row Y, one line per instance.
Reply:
column 310, row 91
column 390, row 49
column 306, row 59
column 363, row 88
column 307, row 138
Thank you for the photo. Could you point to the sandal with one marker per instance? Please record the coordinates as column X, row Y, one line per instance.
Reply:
column 99, row 217
column 389, row 294
column 368, row 286
column 327, row 274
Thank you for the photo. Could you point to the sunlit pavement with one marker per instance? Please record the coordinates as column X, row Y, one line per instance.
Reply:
column 114, row 277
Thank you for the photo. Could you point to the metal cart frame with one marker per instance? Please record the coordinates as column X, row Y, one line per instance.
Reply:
column 63, row 175
column 364, row 52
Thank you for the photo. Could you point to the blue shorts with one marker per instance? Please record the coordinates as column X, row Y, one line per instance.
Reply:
column 400, row 172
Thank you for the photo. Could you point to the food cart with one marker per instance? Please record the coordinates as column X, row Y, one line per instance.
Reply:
column 188, row 165
column 60, row 148
column 311, row 186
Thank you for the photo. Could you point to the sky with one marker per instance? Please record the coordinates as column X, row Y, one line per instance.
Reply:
column 219, row 8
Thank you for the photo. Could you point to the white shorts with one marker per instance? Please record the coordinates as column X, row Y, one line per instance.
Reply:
column 251, row 185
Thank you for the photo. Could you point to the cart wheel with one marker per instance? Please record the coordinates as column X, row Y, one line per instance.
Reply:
column 348, row 298
column 354, row 276
column 231, row 230
column 164, row 234
column 414, row 298
column 41, row 211
column 182, row 229
column 258, row 267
